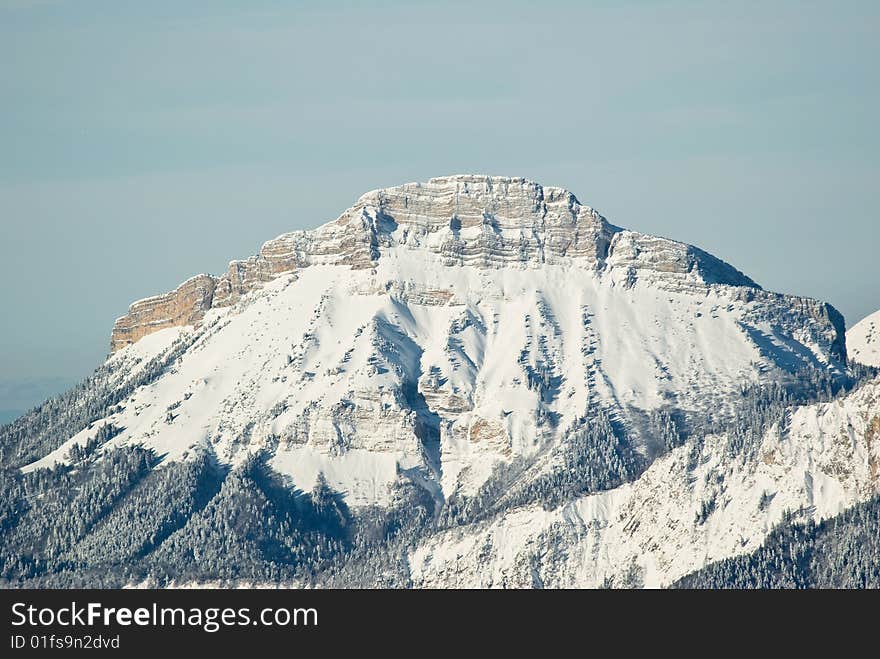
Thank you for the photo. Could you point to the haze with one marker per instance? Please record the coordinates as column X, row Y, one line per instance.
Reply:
column 144, row 143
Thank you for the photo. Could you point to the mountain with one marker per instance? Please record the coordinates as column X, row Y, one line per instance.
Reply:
column 863, row 340
column 470, row 381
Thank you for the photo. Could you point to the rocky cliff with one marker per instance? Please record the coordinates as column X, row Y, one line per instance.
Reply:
column 479, row 221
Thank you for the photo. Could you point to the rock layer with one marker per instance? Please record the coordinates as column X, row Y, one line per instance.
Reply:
column 479, row 221
column 186, row 305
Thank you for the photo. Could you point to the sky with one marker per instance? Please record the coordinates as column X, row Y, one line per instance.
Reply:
column 142, row 143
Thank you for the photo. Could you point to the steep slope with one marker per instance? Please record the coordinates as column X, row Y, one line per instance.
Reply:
column 863, row 341
column 840, row 552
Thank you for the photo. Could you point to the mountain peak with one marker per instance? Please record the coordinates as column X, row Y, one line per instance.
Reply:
column 476, row 183
column 463, row 220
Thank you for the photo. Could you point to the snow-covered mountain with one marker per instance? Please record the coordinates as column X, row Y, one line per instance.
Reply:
column 438, row 329
column 863, row 341
column 571, row 402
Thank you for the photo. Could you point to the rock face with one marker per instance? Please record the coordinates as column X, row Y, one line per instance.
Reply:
column 479, row 221
column 185, row 305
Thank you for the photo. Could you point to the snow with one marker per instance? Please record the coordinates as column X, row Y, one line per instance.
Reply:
column 645, row 533
column 863, row 341
column 148, row 347
column 133, row 358
column 362, row 476
column 355, row 339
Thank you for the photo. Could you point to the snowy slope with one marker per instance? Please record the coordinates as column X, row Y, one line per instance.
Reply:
column 863, row 341
column 691, row 507
column 436, row 330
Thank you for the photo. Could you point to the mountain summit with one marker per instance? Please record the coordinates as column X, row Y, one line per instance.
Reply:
column 478, row 221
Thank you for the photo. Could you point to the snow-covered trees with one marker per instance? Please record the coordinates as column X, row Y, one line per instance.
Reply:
column 842, row 552
column 47, row 426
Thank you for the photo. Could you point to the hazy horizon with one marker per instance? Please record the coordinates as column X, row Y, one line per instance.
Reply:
column 146, row 144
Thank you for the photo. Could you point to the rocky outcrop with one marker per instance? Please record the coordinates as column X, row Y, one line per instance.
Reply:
column 469, row 220
column 187, row 304
column 183, row 306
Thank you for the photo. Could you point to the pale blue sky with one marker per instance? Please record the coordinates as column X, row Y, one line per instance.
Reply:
column 141, row 143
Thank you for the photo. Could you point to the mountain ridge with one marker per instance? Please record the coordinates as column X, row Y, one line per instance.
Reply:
column 551, row 221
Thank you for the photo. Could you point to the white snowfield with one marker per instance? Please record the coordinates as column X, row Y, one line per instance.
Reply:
column 435, row 330
column 863, row 341
column 647, row 533
column 315, row 366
